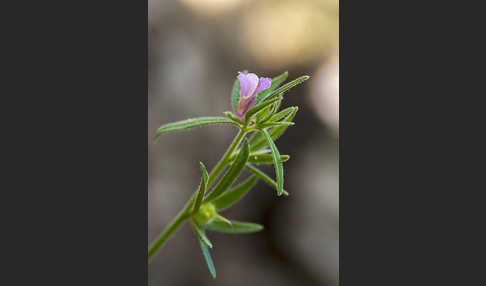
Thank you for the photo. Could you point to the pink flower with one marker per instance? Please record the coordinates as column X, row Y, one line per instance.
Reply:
column 250, row 86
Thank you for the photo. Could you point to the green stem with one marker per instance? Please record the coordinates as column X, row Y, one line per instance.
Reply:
column 168, row 231
column 224, row 160
column 185, row 213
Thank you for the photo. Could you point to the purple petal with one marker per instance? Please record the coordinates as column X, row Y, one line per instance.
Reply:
column 243, row 83
column 248, row 84
column 263, row 84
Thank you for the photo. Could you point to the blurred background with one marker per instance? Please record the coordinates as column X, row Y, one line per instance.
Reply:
column 196, row 48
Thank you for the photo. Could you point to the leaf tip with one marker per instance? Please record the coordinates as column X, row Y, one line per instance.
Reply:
column 283, row 193
column 156, row 137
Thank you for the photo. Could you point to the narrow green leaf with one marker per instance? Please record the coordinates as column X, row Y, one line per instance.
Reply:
column 285, row 87
column 207, row 257
column 261, row 151
column 234, row 195
column 258, row 141
column 201, row 234
column 274, row 109
column 264, row 177
column 259, row 107
column 276, row 81
column 275, row 124
column 281, row 114
column 277, row 105
column 265, row 158
column 190, row 123
column 233, row 117
column 238, row 227
column 263, row 113
column 223, row 219
column 235, row 94
column 276, row 161
column 233, row 172
column 202, row 188
column 258, row 152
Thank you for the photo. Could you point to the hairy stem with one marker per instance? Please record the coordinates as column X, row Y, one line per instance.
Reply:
column 185, row 212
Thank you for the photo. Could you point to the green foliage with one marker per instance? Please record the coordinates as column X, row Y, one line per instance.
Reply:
column 235, row 94
column 276, row 161
column 237, row 227
column 263, row 113
column 201, row 235
column 258, row 158
column 285, row 88
column 190, row 123
column 268, row 124
column 202, row 188
column 275, row 124
column 259, row 107
column 276, row 82
column 281, row 114
column 233, row 117
column 258, row 141
column 257, row 172
column 235, row 194
column 232, row 174
column 270, row 113
column 208, row 259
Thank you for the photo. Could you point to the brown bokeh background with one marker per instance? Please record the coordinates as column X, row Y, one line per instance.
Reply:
column 196, row 48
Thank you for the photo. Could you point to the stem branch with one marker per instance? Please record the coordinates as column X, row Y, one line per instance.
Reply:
column 185, row 213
